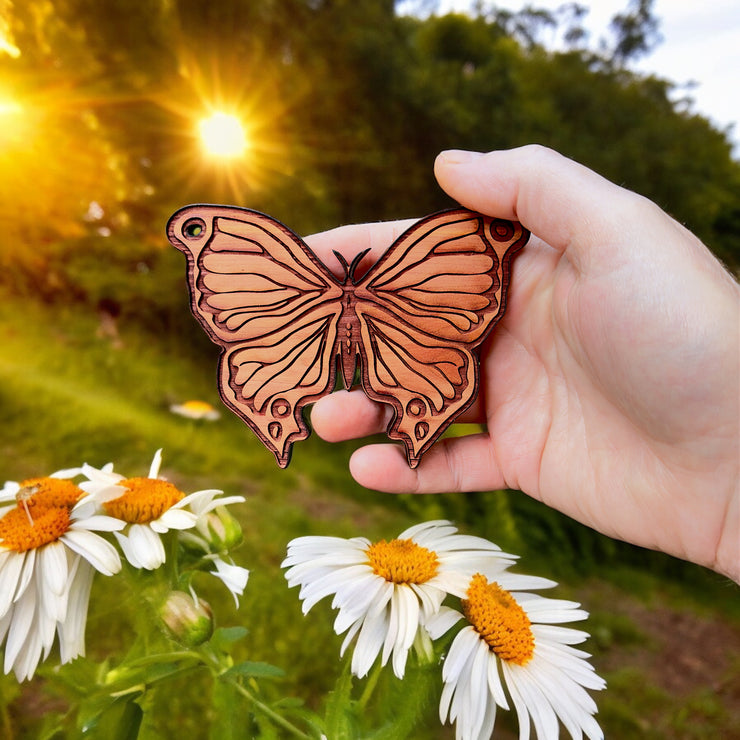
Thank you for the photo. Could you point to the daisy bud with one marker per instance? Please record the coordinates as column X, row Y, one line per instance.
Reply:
column 424, row 648
column 220, row 529
column 188, row 619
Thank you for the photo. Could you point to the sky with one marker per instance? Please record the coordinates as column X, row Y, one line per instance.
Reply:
column 701, row 44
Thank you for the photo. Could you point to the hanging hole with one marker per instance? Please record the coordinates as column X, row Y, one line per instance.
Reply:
column 193, row 228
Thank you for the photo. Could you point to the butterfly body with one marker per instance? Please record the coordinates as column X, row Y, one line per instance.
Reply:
column 286, row 324
column 347, row 347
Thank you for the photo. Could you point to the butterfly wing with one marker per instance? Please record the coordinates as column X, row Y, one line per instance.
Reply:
column 273, row 308
column 423, row 309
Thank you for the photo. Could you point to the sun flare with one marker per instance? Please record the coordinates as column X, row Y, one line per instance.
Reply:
column 6, row 45
column 223, row 135
column 14, row 124
column 9, row 107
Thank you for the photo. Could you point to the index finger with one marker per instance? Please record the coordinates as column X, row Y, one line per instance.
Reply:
column 564, row 203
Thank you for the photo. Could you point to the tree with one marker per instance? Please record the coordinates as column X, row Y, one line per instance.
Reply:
column 636, row 30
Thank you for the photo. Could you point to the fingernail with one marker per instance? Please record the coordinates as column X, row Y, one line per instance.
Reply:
column 458, row 156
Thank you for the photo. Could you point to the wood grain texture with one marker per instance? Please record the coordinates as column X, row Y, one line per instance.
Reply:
column 412, row 323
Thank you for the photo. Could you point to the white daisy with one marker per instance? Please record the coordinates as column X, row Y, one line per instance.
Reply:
column 513, row 645
column 48, row 552
column 384, row 591
column 151, row 507
column 195, row 410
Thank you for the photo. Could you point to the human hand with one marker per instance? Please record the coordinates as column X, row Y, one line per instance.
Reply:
column 609, row 388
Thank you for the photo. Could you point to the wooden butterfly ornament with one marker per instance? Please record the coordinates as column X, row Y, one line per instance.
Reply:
column 284, row 322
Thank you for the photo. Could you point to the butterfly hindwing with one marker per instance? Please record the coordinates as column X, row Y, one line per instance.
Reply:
column 272, row 307
column 268, row 384
column 423, row 309
column 428, row 382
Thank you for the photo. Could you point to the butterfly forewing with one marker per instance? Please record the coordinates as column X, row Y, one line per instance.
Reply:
column 248, row 273
column 261, row 295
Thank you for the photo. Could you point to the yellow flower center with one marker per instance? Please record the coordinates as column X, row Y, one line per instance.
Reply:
column 41, row 515
column 20, row 533
column 402, row 561
column 198, row 407
column 46, row 492
column 145, row 500
column 497, row 617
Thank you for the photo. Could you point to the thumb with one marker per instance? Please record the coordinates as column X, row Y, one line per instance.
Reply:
column 562, row 202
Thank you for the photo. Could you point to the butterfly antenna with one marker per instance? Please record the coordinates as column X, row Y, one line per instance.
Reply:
column 355, row 264
column 344, row 264
column 349, row 268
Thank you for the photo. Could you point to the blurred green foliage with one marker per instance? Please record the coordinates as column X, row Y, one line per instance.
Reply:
column 346, row 103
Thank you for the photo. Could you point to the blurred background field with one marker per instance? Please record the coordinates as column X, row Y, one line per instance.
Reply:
column 343, row 106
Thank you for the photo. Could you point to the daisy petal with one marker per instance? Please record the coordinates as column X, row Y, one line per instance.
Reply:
column 142, row 547
column 11, row 567
column 156, row 464
column 95, row 550
column 174, row 519
column 72, row 629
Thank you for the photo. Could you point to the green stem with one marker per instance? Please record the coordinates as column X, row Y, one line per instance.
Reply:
column 174, row 563
column 171, row 656
column 274, row 716
column 372, row 682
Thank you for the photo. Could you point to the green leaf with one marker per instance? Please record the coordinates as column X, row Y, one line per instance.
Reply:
column 149, row 670
column 120, row 721
column 225, row 636
column 405, row 702
column 289, row 702
column 267, row 730
column 52, row 727
column 312, row 721
column 339, row 721
column 231, row 716
column 95, row 707
column 252, row 669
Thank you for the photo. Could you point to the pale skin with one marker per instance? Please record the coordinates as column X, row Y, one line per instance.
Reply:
column 610, row 389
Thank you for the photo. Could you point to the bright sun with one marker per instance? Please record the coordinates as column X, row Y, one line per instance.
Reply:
column 8, row 107
column 223, row 135
column 13, row 124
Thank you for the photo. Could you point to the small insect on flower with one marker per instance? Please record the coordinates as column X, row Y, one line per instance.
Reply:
column 25, row 493
column 385, row 591
column 48, row 554
column 512, row 644
column 151, row 507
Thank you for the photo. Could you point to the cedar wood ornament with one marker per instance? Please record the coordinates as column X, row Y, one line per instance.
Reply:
column 284, row 321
